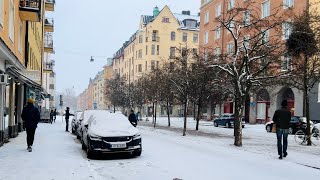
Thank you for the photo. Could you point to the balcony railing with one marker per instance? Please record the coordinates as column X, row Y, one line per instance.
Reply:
column 155, row 39
column 50, row 1
column 49, row 24
column 49, row 5
column 48, row 42
column 30, row 10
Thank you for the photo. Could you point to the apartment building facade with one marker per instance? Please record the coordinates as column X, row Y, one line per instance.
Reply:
column 261, row 106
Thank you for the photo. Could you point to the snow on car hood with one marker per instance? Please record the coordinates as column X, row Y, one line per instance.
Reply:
column 110, row 125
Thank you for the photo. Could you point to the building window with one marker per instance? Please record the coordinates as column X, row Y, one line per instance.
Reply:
column 265, row 37
column 51, row 98
column 217, row 33
column 140, row 53
column 172, row 52
column 165, row 20
column 140, row 39
column 230, row 48
column 206, row 37
column 286, row 63
column 195, row 38
column 140, row 68
column 288, row 4
column 205, row 56
column 11, row 21
column 52, row 75
column 146, row 49
column 20, row 36
column 206, row 17
column 231, row 4
column 218, row 10
column 265, row 9
column 184, row 37
column 246, row 41
column 158, row 49
column 157, row 65
column 153, row 64
column 51, row 86
column 146, row 65
column 246, row 18
column 1, row 12
column 217, row 53
column 231, row 26
column 286, row 30
column 173, row 36
column 153, row 49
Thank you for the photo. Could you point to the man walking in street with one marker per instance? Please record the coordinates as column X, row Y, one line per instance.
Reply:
column 282, row 119
column 31, row 117
column 55, row 115
column 133, row 119
column 67, row 114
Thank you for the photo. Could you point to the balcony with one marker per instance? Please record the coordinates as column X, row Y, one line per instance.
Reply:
column 48, row 43
column 49, row 25
column 155, row 39
column 49, row 5
column 48, row 66
column 30, row 10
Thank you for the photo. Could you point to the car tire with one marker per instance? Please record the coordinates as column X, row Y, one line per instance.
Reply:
column 137, row 152
column 89, row 151
column 228, row 125
column 291, row 130
column 215, row 124
column 242, row 126
column 269, row 129
column 83, row 146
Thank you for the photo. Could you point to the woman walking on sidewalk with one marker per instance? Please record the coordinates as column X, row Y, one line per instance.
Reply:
column 31, row 117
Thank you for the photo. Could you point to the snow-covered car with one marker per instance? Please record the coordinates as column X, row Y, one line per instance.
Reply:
column 226, row 120
column 296, row 123
column 76, row 122
column 84, row 121
column 111, row 133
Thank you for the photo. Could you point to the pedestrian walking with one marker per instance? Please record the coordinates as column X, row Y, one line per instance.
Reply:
column 67, row 116
column 132, row 118
column 55, row 115
column 282, row 119
column 31, row 117
column 51, row 116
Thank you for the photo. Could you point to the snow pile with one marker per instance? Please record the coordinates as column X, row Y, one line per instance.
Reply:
column 110, row 125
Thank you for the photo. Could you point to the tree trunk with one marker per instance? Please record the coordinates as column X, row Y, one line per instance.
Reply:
column 198, row 115
column 155, row 115
column 168, row 113
column 153, row 112
column 238, row 118
column 194, row 111
column 114, row 108
column 185, row 118
column 306, row 99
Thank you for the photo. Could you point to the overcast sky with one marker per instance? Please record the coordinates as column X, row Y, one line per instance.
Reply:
column 85, row 28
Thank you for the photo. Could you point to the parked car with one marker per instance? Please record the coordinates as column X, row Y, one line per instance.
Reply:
column 110, row 133
column 296, row 123
column 76, row 121
column 226, row 120
column 83, row 121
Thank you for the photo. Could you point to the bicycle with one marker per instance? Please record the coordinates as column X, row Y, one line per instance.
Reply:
column 301, row 138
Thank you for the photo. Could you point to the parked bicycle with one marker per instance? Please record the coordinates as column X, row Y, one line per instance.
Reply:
column 302, row 138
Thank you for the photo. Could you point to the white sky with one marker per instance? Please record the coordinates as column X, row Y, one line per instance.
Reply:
column 85, row 28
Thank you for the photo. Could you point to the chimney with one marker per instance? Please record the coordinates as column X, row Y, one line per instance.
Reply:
column 186, row 13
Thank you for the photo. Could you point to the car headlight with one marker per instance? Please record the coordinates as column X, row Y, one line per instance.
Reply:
column 137, row 136
column 95, row 138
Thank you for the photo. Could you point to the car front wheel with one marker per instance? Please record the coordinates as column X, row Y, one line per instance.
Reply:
column 268, row 128
column 215, row 124
column 89, row 151
column 137, row 152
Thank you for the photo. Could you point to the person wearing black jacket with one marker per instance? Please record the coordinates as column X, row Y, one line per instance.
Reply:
column 282, row 119
column 133, row 119
column 31, row 117
column 67, row 114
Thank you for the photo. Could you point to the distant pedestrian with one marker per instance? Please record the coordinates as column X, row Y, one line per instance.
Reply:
column 55, row 115
column 138, row 115
column 132, row 118
column 51, row 116
column 282, row 119
column 31, row 117
column 67, row 116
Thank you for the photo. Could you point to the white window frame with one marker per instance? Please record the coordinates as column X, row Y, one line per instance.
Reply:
column 217, row 53
column 206, row 37
column 1, row 13
column 230, row 48
column 246, row 17
column 265, row 11
column 207, row 17
column 195, row 38
column 11, row 21
column 286, row 30
column 217, row 33
column 231, row 4
column 288, row 4
column 218, row 10
column 285, row 60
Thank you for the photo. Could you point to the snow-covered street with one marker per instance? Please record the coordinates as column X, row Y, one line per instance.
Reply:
column 166, row 155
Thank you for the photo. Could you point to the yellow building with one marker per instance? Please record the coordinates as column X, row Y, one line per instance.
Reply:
column 158, row 37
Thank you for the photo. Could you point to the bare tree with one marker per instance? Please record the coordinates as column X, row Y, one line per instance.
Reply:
column 116, row 92
column 253, row 53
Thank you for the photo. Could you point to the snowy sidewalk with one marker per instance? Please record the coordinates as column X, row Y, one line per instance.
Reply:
column 55, row 156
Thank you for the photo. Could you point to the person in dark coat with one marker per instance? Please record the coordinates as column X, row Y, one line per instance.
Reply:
column 133, row 119
column 31, row 117
column 67, row 116
column 282, row 119
column 51, row 116
column 55, row 115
